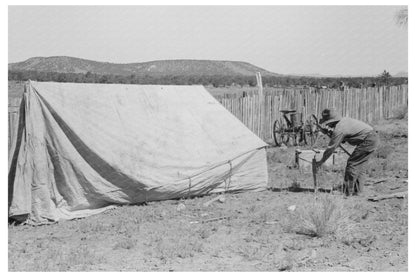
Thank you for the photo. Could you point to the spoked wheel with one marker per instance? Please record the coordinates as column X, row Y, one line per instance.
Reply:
column 310, row 132
column 279, row 132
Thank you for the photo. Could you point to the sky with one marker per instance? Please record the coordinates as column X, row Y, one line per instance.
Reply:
column 326, row 40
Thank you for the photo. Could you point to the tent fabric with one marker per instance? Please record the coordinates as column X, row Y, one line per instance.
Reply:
column 14, row 108
column 81, row 148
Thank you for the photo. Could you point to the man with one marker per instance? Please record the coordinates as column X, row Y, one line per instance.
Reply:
column 357, row 133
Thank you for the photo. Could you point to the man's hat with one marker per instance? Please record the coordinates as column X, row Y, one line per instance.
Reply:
column 328, row 117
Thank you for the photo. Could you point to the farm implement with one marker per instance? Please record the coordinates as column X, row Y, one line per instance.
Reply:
column 291, row 128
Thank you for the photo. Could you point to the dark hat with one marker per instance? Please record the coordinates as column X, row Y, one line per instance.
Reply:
column 328, row 117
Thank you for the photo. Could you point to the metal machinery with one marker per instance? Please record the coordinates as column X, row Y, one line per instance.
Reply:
column 293, row 129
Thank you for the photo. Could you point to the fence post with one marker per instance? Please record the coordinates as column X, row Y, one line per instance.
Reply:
column 381, row 96
column 261, row 107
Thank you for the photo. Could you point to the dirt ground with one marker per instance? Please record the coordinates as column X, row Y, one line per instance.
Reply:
column 285, row 228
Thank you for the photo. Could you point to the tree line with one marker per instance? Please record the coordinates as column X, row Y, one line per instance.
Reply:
column 214, row 80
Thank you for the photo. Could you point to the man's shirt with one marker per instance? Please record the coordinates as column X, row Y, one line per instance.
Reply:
column 350, row 130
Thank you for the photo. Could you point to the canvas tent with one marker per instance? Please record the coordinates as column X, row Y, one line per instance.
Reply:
column 81, row 148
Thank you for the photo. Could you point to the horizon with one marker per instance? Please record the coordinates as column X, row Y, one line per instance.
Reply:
column 364, row 45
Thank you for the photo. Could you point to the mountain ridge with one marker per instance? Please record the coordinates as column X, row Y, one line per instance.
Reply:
column 187, row 67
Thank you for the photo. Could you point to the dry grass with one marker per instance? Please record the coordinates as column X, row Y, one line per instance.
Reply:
column 56, row 258
column 171, row 244
column 318, row 218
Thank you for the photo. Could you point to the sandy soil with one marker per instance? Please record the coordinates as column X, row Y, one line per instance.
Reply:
column 286, row 228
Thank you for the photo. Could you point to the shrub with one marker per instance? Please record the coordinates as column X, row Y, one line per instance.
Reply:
column 319, row 218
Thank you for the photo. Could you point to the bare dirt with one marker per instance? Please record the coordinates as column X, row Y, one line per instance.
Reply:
column 285, row 228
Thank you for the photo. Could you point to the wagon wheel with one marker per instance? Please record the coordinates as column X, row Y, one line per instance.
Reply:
column 279, row 132
column 310, row 131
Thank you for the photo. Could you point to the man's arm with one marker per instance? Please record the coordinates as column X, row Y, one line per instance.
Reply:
column 335, row 141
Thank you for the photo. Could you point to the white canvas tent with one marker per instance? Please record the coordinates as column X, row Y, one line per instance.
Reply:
column 81, row 148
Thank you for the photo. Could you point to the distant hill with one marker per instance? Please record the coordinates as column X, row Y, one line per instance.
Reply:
column 64, row 64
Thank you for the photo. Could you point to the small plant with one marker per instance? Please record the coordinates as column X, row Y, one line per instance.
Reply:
column 317, row 223
column 320, row 218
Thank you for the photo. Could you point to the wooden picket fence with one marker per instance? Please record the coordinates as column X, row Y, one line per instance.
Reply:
column 367, row 104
